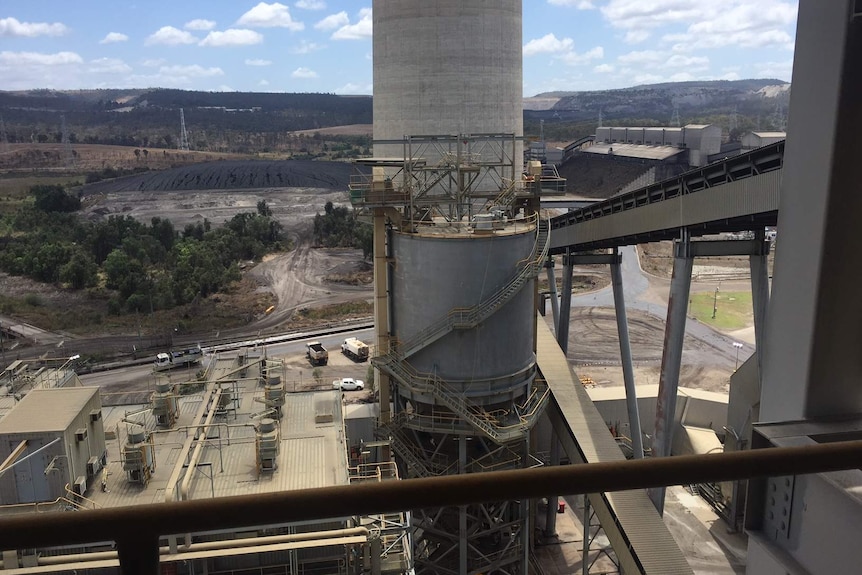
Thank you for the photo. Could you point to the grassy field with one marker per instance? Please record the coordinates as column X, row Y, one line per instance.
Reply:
column 732, row 309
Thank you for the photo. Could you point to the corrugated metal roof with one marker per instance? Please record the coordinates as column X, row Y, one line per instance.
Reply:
column 47, row 410
column 651, row 543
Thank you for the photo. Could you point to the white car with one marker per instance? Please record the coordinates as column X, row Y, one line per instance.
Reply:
column 348, row 384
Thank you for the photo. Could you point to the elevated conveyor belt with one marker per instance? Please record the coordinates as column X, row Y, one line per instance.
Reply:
column 739, row 193
column 637, row 533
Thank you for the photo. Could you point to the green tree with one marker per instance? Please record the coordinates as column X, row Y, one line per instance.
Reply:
column 54, row 199
column 80, row 271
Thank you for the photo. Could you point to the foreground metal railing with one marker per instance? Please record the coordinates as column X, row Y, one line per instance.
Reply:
column 136, row 530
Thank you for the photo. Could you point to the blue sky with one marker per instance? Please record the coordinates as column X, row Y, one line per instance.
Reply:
column 325, row 45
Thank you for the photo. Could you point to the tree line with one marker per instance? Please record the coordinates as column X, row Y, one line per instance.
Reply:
column 147, row 267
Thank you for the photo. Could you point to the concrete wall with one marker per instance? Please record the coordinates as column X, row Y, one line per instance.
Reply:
column 447, row 67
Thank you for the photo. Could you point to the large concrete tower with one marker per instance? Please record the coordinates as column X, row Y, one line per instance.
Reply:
column 458, row 245
column 446, row 67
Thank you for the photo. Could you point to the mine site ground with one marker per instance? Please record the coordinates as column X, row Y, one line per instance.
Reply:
column 308, row 277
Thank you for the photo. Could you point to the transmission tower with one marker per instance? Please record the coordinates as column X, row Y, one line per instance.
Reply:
column 184, row 136
column 674, row 119
column 4, row 139
column 600, row 117
column 68, row 155
column 734, row 120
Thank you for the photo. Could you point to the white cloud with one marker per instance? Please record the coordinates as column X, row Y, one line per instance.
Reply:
column 153, row 62
column 303, row 73
column 333, row 21
column 575, row 59
column 170, row 36
column 192, row 71
column 636, row 36
column 692, row 63
column 263, row 83
column 38, row 59
column 351, row 89
column 310, row 4
column 199, row 24
column 232, row 37
column 579, row 4
column 642, row 58
column 305, row 47
column 640, row 14
column 112, row 37
column 359, row 31
column 746, row 24
column 780, row 70
column 109, row 66
column 12, row 27
column 548, row 44
column 273, row 15
column 257, row 62
column 224, row 88
column 640, row 79
column 603, row 69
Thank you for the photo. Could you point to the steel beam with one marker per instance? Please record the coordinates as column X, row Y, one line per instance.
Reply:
column 671, row 359
column 758, row 263
column 626, row 358
column 590, row 259
column 566, row 303
column 729, row 248
column 381, row 308
column 552, row 287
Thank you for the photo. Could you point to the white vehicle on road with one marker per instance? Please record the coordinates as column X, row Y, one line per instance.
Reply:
column 348, row 384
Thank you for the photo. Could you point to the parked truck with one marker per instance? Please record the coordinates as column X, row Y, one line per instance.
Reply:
column 182, row 358
column 355, row 349
column 316, row 353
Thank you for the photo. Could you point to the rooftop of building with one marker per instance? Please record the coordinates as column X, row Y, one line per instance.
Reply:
column 47, row 410
column 644, row 152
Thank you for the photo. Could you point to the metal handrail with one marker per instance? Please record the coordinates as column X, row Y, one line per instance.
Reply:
column 137, row 529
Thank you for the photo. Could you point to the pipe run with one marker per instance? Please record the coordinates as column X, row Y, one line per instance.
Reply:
column 202, row 515
column 312, row 536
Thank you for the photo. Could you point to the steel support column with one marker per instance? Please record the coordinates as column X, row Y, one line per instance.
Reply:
column 585, row 552
column 671, row 357
column 381, row 307
column 553, row 500
column 626, row 357
column 462, row 510
column 566, row 303
column 758, row 263
column 552, row 287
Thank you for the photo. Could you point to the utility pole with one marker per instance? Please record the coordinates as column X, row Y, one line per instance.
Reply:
column 184, row 136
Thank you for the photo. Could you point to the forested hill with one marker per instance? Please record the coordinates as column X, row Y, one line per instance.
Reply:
column 215, row 121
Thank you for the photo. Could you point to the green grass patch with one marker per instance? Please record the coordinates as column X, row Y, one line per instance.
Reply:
column 732, row 309
column 14, row 189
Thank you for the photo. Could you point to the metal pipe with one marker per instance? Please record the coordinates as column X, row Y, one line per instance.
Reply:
column 626, row 358
column 187, row 444
column 26, row 457
column 202, row 437
column 44, row 530
column 212, row 545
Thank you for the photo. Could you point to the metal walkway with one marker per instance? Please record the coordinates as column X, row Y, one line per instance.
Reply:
column 742, row 195
column 637, row 533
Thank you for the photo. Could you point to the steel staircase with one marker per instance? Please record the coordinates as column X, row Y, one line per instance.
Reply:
column 468, row 318
column 394, row 363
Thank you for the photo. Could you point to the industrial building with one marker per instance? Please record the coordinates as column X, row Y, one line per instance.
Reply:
column 446, row 413
column 232, row 431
